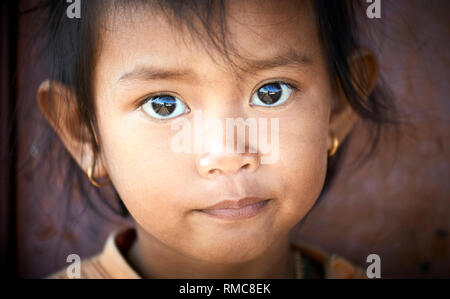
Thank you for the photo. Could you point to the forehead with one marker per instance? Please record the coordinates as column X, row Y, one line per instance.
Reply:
column 255, row 30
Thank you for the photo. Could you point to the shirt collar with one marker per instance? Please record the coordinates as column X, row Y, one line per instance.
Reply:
column 112, row 257
column 119, row 242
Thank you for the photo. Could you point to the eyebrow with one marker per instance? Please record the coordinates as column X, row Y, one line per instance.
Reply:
column 290, row 58
column 147, row 73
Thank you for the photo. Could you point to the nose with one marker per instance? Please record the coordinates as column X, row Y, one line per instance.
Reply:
column 211, row 164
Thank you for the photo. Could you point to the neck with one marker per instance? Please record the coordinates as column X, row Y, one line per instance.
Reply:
column 153, row 259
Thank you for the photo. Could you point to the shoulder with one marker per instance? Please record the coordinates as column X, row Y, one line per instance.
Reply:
column 89, row 268
column 109, row 263
column 317, row 263
column 339, row 267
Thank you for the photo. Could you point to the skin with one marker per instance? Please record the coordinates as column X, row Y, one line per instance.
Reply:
column 161, row 189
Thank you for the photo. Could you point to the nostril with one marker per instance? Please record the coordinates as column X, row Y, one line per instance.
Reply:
column 214, row 171
column 246, row 166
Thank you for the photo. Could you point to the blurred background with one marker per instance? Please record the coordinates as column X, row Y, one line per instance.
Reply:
column 396, row 205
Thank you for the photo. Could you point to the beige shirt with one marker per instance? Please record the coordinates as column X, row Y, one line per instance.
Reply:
column 110, row 263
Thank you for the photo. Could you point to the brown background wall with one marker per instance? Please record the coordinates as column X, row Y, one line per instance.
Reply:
column 396, row 205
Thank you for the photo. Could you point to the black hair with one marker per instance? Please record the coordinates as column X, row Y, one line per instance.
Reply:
column 72, row 51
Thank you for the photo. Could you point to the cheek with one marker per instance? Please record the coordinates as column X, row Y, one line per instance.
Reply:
column 303, row 156
column 145, row 171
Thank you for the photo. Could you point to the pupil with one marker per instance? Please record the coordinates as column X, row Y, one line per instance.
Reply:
column 270, row 93
column 164, row 105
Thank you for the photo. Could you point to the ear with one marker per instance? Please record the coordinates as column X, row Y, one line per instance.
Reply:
column 59, row 106
column 364, row 74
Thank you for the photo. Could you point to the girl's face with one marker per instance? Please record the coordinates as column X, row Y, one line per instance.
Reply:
column 142, row 55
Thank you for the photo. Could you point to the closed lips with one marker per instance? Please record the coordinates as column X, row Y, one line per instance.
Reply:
column 244, row 208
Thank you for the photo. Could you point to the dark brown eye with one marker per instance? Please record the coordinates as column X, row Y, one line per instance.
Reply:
column 271, row 94
column 164, row 106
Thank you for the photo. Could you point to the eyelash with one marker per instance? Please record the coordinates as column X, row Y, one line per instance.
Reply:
column 149, row 97
column 294, row 86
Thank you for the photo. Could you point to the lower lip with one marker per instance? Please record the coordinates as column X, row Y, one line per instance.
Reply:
column 234, row 214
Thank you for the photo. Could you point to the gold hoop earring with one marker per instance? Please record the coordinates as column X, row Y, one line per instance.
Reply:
column 333, row 150
column 94, row 182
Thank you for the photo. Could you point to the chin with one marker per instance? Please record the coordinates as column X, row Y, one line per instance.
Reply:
column 231, row 252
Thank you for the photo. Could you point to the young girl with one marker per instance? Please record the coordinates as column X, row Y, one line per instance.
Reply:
column 130, row 76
